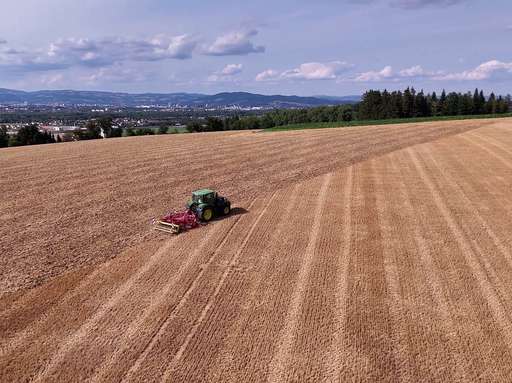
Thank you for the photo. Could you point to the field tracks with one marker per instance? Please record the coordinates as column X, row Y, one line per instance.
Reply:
column 449, row 180
column 334, row 363
column 432, row 277
column 391, row 246
column 220, row 284
column 226, row 358
column 159, row 300
column 489, row 151
column 498, row 311
column 279, row 363
column 163, row 326
column 121, row 292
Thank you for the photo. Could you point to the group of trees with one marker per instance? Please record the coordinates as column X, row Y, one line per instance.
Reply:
column 278, row 117
column 95, row 128
column 27, row 135
column 377, row 105
column 162, row 129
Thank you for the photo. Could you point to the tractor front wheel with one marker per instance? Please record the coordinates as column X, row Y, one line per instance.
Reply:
column 227, row 210
column 207, row 215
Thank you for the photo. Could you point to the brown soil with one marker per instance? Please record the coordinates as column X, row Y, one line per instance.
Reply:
column 390, row 268
column 78, row 204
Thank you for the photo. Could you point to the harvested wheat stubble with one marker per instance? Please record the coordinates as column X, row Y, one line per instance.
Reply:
column 397, row 268
column 78, row 204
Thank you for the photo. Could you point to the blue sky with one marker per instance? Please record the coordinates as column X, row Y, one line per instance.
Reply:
column 299, row 47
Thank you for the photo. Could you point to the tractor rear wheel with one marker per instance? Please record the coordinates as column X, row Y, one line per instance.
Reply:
column 207, row 214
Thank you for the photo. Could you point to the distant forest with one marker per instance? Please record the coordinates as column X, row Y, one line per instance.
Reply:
column 375, row 105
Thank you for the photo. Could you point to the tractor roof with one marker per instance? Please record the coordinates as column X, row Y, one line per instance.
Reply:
column 202, row 192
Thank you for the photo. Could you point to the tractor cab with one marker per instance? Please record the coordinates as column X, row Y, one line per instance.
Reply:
column 207, row 204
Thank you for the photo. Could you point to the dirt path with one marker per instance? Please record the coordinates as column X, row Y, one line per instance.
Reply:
column 397, row 268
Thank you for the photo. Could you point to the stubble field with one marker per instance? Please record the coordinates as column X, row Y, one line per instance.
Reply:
column 365, row 254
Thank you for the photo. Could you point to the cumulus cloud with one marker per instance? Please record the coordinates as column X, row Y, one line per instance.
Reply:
column 66, row 53
column 107, row 51
column 308, row 71
column 234, row 44
column 488, row 70
column 317, row 71
column 227, row 73
column 388, row 74
column 232, row 69
column 384, row 74
column 269, row 74
column 493, row 69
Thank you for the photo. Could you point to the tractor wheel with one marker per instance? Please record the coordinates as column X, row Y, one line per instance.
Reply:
column 207, row 214
column 227, row 210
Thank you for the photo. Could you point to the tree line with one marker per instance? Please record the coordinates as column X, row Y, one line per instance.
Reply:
column 27, row 135
column 93, row 129
column 278, row 117
column 377, row 105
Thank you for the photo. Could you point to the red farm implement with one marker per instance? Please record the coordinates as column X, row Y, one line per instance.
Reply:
column 175, row 222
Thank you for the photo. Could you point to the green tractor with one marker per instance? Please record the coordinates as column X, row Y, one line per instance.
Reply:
column 207, row 205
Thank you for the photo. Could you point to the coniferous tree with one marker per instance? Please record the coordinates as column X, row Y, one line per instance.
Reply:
column 397, row 107
column 466, row 106
column 452, row 104
column 408, row 103
column 477, row 105
column 482, row 102
column 491, row 107
column 433, row 101
column 442, row 104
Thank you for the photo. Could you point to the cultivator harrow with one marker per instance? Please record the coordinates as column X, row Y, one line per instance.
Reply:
column 176, row 222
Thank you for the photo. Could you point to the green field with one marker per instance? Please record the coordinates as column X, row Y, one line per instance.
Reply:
column 342, row 124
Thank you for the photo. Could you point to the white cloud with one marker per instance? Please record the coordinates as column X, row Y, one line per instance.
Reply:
column 227, row 73
column 66, row 53
column 308, row 71
column 384, row 74
column 317, row 71
column 415, row 71
column 234, row 44
column 388, row 74
column 485, row 71
column 269, row 74
column 232, row 69
column 488, row 70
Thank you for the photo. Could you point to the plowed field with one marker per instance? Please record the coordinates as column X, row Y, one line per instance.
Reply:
column 367, row 254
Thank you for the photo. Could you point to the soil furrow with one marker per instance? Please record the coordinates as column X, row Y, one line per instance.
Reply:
column 279, row 364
